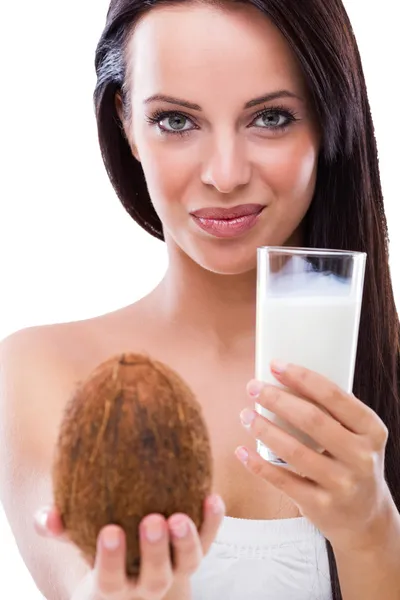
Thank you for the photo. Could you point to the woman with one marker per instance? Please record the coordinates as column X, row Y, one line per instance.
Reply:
column 201, row 107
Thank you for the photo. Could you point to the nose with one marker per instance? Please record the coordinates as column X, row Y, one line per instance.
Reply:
column 226, row 166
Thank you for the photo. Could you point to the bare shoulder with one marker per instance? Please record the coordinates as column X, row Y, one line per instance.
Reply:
column 56, row 351
column 44, row 353
column 36, row 371
column 34, row 354
column 39, row 368
column 44, row 362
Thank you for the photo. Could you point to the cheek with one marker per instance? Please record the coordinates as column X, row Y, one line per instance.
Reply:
column 291, row 169
column 168, row 170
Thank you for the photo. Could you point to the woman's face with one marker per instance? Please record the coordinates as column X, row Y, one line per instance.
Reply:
column 212, row 141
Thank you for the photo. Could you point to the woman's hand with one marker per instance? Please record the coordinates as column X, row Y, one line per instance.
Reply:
column 342, row 491
column 157, row 578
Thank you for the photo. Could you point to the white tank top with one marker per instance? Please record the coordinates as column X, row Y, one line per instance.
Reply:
column 283, row 559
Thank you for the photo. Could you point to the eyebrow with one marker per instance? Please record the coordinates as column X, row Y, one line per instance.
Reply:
column 250, row 104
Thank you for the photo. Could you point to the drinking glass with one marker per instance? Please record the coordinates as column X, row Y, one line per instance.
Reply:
column 308, row 313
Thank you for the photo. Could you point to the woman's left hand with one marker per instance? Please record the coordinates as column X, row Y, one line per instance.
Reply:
column 342, row 491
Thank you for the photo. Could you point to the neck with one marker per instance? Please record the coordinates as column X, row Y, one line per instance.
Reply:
column 212, row 308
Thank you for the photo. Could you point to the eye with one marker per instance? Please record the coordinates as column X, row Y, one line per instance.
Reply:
column 171, row 122
column 274, row 119
column 175, row 122
column 271, row 120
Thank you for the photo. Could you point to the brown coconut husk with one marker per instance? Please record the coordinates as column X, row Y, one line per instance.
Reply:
column 132, row 442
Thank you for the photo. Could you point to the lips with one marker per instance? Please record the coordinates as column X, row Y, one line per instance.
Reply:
column 234, row 222
column 236, row 212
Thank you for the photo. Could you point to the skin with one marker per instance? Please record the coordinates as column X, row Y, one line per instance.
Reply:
column 201, row 318
column 226, row 161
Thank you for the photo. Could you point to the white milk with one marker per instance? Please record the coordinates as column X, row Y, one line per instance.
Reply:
column 318, row 331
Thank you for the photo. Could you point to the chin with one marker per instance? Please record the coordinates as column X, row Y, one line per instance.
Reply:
column 230, row 257
column 227, row 263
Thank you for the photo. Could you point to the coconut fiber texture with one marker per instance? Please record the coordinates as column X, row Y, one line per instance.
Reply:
column 132, row 441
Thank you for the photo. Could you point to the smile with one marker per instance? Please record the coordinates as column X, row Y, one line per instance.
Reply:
column 228, row 228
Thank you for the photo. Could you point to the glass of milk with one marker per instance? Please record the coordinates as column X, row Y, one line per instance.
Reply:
column 308, row 313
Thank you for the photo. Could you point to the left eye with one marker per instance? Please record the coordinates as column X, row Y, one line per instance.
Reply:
column 271, row 120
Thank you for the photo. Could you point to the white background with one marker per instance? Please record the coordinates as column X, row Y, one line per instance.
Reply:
column 69, row 250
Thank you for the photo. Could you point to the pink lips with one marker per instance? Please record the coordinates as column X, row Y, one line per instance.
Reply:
column 228, row 213
column 228, row 222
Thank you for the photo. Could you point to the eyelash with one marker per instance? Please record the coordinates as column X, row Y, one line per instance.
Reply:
column 160, row 115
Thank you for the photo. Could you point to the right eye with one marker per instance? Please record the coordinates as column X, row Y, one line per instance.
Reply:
column 172, row 122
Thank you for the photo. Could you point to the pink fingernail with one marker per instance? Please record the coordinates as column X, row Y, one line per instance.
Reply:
column 111, row 539
column 154, row 530
column 247, row 416
column 242, row 454
column 179, row 526
column 255, row 387
column 217, row 505
column 278, row 366
column 41, row 517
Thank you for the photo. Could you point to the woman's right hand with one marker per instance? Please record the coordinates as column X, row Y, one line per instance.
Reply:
column 158, row 579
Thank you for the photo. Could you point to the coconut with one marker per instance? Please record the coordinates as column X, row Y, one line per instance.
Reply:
column 132, row 441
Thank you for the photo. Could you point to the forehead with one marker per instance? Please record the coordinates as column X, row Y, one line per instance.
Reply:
column 193, row 48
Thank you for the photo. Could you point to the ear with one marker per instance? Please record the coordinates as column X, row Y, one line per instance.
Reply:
column 125, row 128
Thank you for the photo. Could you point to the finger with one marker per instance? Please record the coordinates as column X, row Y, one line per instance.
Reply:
column 317, row 467
column 156, row 574
column 297, row 488
column 48, row 523
column 110, row 562
column 346, row 408
column 214, row 512
column 187, row 550
column 189, row 544
column 310, row 419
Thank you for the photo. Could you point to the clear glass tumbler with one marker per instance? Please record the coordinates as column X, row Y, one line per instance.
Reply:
column 308, row 313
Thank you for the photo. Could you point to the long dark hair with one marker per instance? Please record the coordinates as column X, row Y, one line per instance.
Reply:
column 347, row 210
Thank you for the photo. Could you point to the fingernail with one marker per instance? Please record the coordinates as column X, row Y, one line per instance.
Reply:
column 41, row 517
column 217, row 504
column 254, row 387
column 242, row 454
column 278, row 366
column 247, row 416
column 154, row 530
column 111, row 539
column 179, row 526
